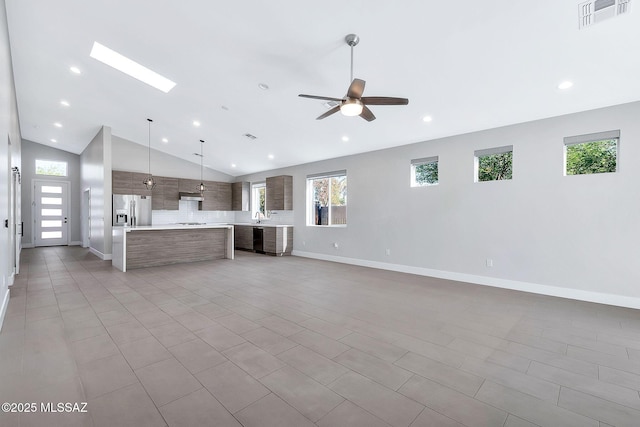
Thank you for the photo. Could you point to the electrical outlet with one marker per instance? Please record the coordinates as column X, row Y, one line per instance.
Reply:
column 489, row 262
column 304, row 243
column 388, row 252
column 335, row 245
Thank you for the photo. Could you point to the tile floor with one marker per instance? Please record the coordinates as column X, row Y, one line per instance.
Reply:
column 264, row 341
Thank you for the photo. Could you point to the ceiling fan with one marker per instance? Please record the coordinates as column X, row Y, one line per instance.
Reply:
column 353, row 103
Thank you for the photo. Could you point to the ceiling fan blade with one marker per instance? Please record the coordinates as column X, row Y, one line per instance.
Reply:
column 367, row 114
column 384, row 100
column 356, row 88
column 330, row 112
column 326, row 98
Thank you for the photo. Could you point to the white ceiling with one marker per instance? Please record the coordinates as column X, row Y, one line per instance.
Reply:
column 470, row 65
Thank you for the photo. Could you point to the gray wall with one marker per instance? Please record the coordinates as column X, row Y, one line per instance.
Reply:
column 132, row 157
column 32, row 151
column 10, row 141
column 95, row 166
column 572, row 236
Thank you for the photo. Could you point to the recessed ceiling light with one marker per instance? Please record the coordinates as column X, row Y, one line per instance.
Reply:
column 64, row 103
column 196, row 123
column 75, row 70
column 165, row 140
column 271, row 156
column 233, row 165
column 565, row 85
column 53, row 140
column 263, row 86
column 427, row 119
column 58, row 125
column 345, row 138
column 131, row 68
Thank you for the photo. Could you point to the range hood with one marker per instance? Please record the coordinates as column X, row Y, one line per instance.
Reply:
column 191, row 197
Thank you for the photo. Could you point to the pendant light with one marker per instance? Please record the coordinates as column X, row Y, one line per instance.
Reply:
column 149, row 182
column 201, row 187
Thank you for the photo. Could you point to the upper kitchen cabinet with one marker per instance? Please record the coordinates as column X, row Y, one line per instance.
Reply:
column 137, row 186
column 280, row 193
column 217, row 197
column 240, row 195
column 121, row 182
column 165, row 194
column 129, row 183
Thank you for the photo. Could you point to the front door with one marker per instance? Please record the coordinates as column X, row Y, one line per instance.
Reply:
column 51, row 213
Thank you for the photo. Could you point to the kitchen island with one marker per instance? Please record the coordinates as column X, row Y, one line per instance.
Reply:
column 155, row 245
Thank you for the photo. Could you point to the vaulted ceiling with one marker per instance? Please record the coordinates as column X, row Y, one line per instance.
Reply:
column 468, row 65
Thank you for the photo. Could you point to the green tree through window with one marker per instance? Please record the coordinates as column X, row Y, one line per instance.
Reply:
column 592, row 157
column 426, row 173
column 495, row 167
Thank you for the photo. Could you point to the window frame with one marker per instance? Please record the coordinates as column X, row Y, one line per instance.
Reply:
column 586, row 139
column 490, row 152
column 255, row 208
column 420, row 162
column 62, row 162
column 310, row 199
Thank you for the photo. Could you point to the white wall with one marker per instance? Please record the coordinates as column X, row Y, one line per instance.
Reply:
column 32, row 151
column 9, row 156
column 95, row 166
column 132, row 157
column 574, row 236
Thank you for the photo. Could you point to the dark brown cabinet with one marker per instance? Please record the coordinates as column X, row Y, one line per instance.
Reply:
column 217, row 197
column 243, row 237
column 121, row 182
column 240, row 196
column 165, row 194
column 278, row 241
column 129, row 183
column 279, row 191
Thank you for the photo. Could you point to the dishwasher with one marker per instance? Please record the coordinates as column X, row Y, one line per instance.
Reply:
column 258, row 240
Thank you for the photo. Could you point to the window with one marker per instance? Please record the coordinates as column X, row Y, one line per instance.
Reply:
column 327, row 199
column 51, row 168
column 258, row 198
column 424, row 171
column 593, row 153
column 494, row 164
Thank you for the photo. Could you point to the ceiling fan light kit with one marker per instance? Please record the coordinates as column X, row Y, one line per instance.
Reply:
column 353, row 103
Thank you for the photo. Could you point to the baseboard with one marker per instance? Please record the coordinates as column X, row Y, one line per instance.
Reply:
column 28, row 246
column 104, row 257
column 554, row 291
column 75, row 243
column 3, row 307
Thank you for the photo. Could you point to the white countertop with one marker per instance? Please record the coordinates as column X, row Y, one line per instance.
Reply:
column 175, row 227
column 263, row 224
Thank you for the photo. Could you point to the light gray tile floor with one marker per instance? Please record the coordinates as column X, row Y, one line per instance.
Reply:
column 263, row 341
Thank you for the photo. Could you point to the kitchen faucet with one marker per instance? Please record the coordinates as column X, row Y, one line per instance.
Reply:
column 259, row 217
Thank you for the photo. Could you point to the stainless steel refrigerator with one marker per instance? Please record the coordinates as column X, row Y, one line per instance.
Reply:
column 131, row 210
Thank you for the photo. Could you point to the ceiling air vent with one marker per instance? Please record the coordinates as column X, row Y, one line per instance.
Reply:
column 595, row 11
column 251, row 137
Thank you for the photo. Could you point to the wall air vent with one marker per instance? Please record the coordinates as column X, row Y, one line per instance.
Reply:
column 594, row 11
column 251, row 137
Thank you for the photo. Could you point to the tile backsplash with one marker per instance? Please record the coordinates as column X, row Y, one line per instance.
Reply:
column 188, row 212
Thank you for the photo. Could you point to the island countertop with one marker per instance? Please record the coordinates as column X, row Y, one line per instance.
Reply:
column 175, row 227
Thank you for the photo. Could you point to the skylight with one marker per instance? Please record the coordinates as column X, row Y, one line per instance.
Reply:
column 131, row 68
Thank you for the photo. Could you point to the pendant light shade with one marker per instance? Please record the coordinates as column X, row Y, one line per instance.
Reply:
column 149, row 182
column 201, row 187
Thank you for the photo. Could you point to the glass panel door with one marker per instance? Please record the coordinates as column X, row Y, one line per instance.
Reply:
column 51, row 213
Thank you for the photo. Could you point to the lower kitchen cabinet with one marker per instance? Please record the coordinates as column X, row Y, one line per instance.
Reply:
column 243, row 237
column 276, row 241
